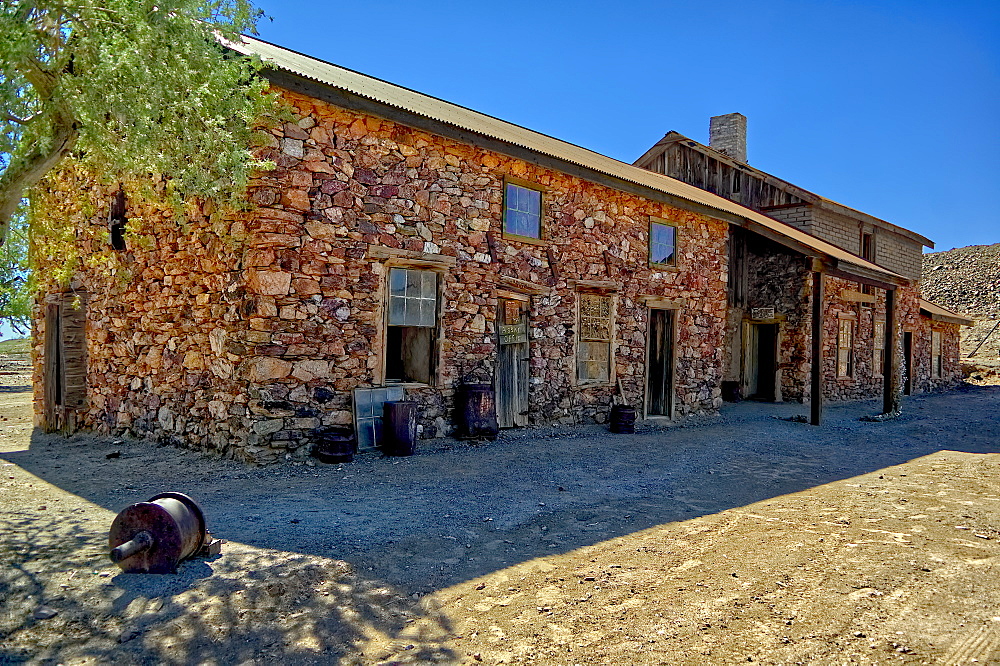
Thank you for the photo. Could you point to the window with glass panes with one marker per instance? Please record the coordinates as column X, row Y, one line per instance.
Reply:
column 878, row 361
column 845, row 343
column 412, row 323
column 522, row 215
column 593, row 353
column 662, row 243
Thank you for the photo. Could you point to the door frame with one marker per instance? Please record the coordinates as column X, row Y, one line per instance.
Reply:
column 907, row 349
column 525, row 305
column 778, row 322
column 675, row 311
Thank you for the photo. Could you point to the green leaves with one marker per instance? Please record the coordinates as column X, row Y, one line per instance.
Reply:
column 133, row 88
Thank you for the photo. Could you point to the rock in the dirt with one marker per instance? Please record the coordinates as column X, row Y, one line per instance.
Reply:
column 45, row 613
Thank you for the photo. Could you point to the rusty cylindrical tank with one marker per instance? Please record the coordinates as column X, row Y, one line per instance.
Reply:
column 476, row 412
column 154, row 536
column 399, row 428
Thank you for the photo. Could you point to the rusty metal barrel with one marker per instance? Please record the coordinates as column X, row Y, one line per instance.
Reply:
column 399, row 428
column 154, row 536
column 476, row 412
column 622, row 419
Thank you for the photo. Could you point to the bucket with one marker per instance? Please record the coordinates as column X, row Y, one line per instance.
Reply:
column 622, row 419
column 399, row 428
column 334, row 445
column 476, row 412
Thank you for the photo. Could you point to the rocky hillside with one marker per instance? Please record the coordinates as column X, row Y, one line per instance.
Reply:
column 966, row 279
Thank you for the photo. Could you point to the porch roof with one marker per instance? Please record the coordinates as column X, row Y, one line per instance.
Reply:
column 938, row 313
column 426, row 106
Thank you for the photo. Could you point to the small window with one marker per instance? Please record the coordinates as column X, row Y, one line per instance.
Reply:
column 117, row 222
column 662, row 243
column 593, row 355
column 845, row 345
column 412, row 326
column 868, row 246
column 878, row 357
column 937, row 365
column 522, row 214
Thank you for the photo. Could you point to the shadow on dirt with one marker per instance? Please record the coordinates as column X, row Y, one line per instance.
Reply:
column 455, row 512
column 211, row 611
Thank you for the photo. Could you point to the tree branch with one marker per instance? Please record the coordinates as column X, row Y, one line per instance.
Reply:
column 22, row 174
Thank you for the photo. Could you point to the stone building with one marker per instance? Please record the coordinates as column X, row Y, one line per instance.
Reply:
column 854, row 309
column 405, row 244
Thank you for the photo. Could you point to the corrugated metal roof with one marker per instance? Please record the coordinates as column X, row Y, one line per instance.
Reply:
column 935, row 309
column 461, row 117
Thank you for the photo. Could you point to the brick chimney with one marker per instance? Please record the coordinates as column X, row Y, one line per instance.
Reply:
column 728, row 134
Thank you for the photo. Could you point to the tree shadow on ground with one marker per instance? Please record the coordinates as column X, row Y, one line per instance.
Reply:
column 455, row 512
column 249, row 606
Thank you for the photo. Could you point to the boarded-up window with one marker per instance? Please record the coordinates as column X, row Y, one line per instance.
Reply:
column 412, row 325
column 937, row 364
column 593, row 355
column 845, row 345
column 878, row 357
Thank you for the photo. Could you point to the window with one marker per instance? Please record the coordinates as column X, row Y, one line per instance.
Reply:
column 662, row 243
column 412, row 325
column 522, row 211
column 593, row 353
column 117, row 221
column 878, row 358
column 845, row 343
column 937, row 366
column 868, row 246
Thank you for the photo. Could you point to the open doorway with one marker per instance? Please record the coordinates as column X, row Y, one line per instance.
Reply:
column 760, row 361
column 660, row 372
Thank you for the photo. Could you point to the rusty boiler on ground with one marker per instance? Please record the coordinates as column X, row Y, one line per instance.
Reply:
column 156, row 535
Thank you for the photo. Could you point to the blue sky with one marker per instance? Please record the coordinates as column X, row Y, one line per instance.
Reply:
column 892, row 108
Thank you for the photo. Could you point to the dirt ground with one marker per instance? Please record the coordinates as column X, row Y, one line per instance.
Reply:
column 739, row 538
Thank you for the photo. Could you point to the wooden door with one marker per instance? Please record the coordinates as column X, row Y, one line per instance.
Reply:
column 512, row 364
column 660, row 362
column 65, row 369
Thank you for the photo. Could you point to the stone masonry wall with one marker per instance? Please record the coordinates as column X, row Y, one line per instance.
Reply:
column 160, row 320
column 347, row 183
column 244, row 335
column 776, row 278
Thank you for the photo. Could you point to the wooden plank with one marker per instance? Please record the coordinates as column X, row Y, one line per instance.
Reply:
column 523, row 286
column 382, row 252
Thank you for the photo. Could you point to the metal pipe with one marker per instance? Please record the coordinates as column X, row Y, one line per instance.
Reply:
column 137, row 544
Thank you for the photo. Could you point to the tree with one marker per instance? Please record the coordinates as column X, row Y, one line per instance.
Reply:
column 130, row 87
column 15, row 290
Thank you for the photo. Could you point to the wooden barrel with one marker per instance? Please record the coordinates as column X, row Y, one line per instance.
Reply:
column 476, row 412
column 399, row 428
column 622, row 419
column 334, row 445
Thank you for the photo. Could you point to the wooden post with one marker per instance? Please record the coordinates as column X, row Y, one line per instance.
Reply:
column 816, row 398
column 891, row 401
